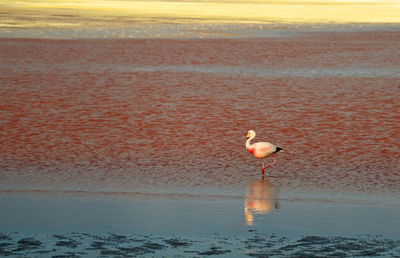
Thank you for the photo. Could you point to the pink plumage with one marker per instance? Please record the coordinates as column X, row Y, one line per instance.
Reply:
column 261, row 150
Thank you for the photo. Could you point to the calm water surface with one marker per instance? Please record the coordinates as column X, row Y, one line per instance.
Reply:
column 168, row 117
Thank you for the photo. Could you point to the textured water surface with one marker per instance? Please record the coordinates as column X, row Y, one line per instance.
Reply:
column 129, row 115
column 145, row 138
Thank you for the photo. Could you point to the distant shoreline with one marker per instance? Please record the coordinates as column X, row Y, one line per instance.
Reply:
column 190, row 30
column 82, row 13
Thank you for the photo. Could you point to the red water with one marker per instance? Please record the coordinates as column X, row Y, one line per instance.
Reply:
column 144, row 115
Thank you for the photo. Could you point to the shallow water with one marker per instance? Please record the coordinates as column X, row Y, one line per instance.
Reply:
column 263, row 207
column 150, row 134
column 129, row 115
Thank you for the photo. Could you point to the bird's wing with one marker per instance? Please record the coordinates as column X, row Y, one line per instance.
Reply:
column 265, row 147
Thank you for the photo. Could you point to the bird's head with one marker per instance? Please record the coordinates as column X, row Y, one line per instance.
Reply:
column 251, row 134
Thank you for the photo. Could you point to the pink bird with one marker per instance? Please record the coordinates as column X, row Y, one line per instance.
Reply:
column 260, row 150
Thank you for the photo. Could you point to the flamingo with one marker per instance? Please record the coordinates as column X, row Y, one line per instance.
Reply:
column 261, row 150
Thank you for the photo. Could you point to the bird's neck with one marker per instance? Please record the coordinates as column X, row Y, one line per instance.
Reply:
column 248, row 144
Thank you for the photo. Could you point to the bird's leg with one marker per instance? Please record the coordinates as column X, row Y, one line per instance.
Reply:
column 262, row 170
column 272, row 163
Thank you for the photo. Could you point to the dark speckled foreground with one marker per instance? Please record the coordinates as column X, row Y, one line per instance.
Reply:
column 254, row 245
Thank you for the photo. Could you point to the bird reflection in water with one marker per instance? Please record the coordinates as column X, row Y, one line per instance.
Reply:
column 260, row 199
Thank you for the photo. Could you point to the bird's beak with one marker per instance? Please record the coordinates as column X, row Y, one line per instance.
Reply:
column 248, row 136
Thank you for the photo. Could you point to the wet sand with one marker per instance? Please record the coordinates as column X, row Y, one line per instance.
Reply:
column 253, row 245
